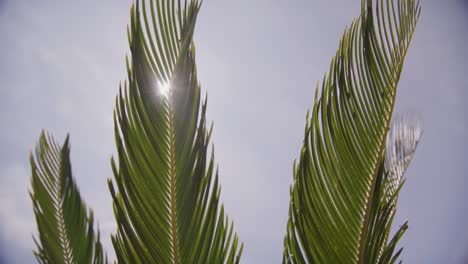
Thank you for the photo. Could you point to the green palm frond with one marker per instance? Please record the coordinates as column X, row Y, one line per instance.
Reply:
column 66, row 229
column 166, row 198
column 337, row 177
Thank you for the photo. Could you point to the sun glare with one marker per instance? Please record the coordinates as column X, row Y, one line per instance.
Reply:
column 164, row 88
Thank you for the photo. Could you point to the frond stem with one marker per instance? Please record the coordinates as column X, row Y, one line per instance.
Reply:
column 172, row 172
column 61, row 223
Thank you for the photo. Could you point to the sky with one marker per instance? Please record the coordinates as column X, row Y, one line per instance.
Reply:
column 259, row 61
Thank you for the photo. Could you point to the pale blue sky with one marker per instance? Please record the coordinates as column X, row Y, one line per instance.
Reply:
column 259, row 60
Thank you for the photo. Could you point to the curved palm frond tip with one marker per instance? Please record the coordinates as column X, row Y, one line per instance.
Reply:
column 166, row 193
column 66, row 228
column 337, row 213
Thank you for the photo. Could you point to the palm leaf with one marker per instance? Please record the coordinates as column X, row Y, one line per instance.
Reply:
column 339, row 172
column 166, row 198
column 66, row 232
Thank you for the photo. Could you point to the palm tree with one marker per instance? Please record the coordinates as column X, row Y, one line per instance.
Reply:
column 165, row 190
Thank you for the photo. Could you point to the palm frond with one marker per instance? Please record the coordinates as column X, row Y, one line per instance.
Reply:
column 337, row 176
column 166, row 198
column 66, row 229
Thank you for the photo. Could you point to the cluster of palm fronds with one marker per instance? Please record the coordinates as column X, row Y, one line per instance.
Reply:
column 166, row 191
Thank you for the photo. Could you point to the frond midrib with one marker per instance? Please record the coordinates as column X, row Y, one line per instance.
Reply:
column 172, row 180
column 64, row 241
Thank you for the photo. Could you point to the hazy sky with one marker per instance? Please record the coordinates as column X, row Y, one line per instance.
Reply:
column 61, row 62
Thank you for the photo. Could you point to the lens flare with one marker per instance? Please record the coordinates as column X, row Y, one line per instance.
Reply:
column 164, row 88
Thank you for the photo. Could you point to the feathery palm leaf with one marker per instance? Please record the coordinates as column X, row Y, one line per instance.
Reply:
column 166, row 199
column 337, row 177
column 66, row 232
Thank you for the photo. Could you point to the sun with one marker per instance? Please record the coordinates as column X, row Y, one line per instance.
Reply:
column 164, row 88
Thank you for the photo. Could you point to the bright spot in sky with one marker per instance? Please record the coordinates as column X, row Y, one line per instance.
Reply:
column 164, row 88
